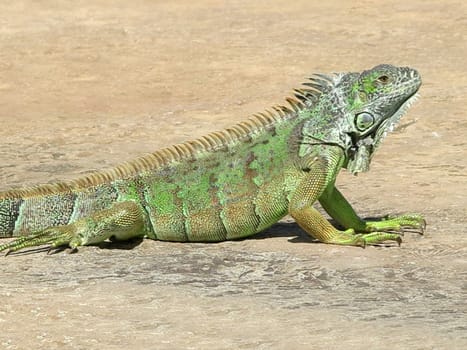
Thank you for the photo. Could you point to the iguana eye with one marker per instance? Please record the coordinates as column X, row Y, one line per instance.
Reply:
column 364, row 120
column 384, row 79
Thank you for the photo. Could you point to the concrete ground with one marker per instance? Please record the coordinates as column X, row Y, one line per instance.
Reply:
column 89, row 85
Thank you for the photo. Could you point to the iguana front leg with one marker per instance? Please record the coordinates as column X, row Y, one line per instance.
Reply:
column 321, row 176
column 122, row 221
column 340, row 210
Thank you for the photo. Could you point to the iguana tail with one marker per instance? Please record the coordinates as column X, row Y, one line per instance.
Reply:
column 23, row 211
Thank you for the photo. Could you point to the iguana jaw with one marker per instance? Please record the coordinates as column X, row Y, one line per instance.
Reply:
column 391, row 123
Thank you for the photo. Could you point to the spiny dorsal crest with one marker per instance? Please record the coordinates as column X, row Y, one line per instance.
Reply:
column 304, row 97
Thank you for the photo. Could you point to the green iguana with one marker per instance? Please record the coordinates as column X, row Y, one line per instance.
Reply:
column 236, row 182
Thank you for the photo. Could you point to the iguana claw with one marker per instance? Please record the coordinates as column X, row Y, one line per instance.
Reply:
column 56, row 236
column 398, row 224
column 124, row 220
column 349, row 237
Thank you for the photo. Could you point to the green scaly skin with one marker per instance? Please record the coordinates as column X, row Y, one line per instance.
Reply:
column 236, row 182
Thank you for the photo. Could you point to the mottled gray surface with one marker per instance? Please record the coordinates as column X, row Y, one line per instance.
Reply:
column 413, row 296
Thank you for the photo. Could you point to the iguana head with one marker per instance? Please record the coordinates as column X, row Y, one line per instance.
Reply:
column 375, row 101
column 356, row 110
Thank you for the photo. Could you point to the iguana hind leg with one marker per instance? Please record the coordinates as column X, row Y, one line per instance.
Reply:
column 122, row 221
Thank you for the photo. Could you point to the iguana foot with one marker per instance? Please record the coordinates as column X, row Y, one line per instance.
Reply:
column 122, row 221
column 349, row 237
column 398, row 224
column 55, row 236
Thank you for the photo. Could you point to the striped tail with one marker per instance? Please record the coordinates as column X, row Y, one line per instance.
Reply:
column 25, row 211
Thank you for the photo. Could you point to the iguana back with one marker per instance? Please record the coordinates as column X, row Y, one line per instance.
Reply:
column 200, row 190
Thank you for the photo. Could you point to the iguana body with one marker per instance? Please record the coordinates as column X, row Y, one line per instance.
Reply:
column 235, row 182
